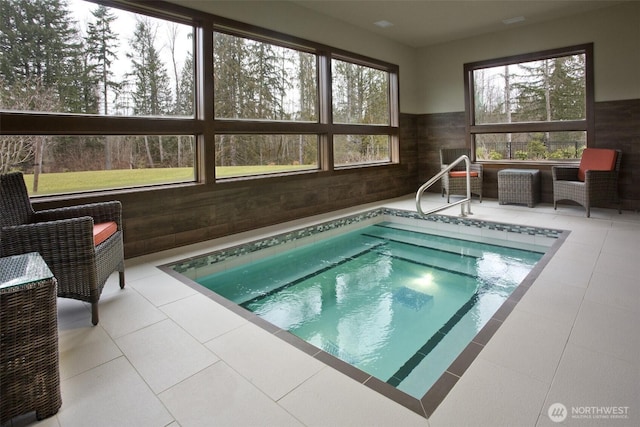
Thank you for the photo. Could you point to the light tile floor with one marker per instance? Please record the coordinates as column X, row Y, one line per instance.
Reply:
column 165, row 355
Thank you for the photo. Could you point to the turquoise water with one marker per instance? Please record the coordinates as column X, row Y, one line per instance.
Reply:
column 388, row 299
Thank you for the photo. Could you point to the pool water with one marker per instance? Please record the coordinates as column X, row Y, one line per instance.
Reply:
column 389, row 299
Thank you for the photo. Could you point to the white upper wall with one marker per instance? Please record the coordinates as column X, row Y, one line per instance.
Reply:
column 431, row 78
column 614, row 31
column 289, row 18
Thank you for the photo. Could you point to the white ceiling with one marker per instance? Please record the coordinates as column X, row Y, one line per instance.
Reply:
column 419, row 23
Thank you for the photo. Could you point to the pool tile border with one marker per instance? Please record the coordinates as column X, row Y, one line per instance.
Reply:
column 234, row 252
column 426, row 405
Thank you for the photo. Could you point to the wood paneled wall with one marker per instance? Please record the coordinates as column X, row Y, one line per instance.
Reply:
column 617, row 126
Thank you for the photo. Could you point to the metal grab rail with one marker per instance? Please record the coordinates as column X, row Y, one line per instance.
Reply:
column 439, row 175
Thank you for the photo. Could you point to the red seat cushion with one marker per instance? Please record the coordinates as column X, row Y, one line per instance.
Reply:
column 103, row 231
column 596, row 159
column 462, row 174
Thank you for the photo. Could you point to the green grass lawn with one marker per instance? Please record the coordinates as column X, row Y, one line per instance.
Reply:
column 69, row 182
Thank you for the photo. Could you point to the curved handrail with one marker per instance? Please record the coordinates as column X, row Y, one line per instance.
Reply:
column 439, row 175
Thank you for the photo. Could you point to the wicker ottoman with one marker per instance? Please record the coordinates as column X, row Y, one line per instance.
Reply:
column 29, row 372
column 519, row 186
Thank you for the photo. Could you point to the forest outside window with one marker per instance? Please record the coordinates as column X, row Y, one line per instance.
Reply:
column 119, row 89
column 535, row 107
column 80, row 57
column 257, row 80
column 360, row 96
column 72, row 71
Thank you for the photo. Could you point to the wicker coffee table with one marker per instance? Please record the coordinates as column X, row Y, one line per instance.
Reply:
column 519, row 186
column 29, row 370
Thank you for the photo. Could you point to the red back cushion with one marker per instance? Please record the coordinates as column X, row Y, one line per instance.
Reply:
column 103, row 231
column 596, row 159
column 462, row 174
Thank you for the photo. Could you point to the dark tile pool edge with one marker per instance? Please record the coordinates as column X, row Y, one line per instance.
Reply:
column 426, row 405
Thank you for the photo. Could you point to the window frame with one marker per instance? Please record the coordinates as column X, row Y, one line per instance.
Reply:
column 587, row 125
column 324, row 127
column 204, row 126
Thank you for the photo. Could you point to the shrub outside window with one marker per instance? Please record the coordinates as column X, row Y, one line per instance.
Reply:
column 533, row 107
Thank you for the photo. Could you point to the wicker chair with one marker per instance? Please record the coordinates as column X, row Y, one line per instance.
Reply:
column 65, row 239
column 598, row 187
column 456, row 182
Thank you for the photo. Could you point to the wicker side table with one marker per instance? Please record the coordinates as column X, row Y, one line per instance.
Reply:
column 519, row 186
column 29, row 370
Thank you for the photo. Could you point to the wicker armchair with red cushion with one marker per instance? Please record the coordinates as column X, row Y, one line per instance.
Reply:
column 593, row 183
column 82, row 245
column 455, row 182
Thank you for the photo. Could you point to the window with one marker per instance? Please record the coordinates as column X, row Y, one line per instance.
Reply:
column 352, row 150
column 259, row 80
column 360, row 94
column 268, row 104
column 533, row 107
column 92, row 59
column 244, row 155
column 70, row 164
column 96, row 97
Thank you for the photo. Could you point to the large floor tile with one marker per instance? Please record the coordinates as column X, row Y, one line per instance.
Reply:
column 529, row 357
column 127, row 311
column 587, row 379
column 553, row 300
column 579, row 253
column 331, row 399
column 110, row 395
column 83, row 347
column 249, row 349
column 571, row 272
column 626, row 264
column 202, row 317
column 489, row 395
column 623, row 240
column 161, row 289
column 614, row 289
column 609, row 330
column 219, row 396
column 165, row 354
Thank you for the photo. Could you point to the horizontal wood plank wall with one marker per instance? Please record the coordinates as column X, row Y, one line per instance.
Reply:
column 164, row 218
column 437, row 131
column 617, row 126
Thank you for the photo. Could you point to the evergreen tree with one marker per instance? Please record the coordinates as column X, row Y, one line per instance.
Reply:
column 102, row 45
column 39, row 41
column 152, row 93
column 185, row 95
